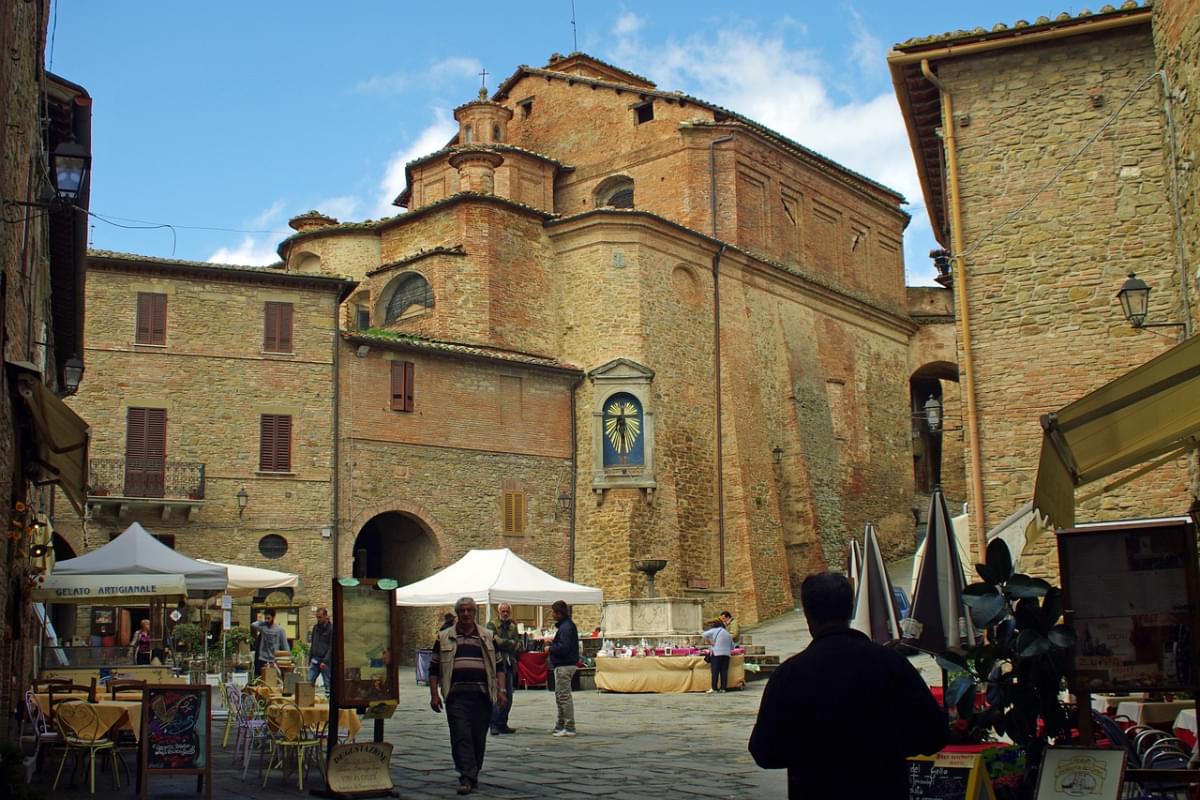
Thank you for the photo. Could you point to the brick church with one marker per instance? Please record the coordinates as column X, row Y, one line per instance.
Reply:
column 613, row 323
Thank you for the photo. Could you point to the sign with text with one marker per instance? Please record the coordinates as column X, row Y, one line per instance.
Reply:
column 360, row 768
column 948, row 776
column 176, row 732
column 1128, row 589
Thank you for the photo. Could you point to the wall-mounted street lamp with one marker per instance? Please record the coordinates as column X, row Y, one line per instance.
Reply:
column 69, row 165
column 242, row 500
column 777, row 454
column 72, row 374
column 1135, row 303
column 931, row 413
column 564, row 502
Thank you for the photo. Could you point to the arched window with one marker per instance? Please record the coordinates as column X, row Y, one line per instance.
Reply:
column 468, row 135
column 411, row 290
column 615, row 192
column 623, row 431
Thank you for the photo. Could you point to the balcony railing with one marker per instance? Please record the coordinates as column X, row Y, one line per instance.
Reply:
column 139, row 478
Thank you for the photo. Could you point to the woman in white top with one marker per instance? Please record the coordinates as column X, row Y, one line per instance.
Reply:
column 722, row 649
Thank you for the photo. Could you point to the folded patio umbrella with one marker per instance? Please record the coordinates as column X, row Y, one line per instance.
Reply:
column 874, row 604
column 854, row 563
column 940, row 620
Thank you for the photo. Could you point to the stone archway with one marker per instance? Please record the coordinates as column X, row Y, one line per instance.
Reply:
column 937, row 451
column 401, row 546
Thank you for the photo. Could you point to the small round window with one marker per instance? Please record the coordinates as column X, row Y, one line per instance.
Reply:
column 273, row 546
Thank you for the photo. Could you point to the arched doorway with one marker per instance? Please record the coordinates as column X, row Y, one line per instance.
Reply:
column 63, row 616
column 934, row 401
column 400, row 546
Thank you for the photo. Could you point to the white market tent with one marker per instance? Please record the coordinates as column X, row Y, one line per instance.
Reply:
column 245, row 581
column 494, row 576
column 136, row 552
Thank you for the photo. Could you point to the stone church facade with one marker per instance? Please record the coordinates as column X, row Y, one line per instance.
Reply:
column 614, row 324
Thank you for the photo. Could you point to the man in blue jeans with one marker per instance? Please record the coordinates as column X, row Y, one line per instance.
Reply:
column 563, row 655
column 508, row 646
column 320, row 648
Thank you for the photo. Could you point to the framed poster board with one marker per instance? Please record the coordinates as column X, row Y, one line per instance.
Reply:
column 1128, row 590
column 1067, row 773
column 177, row 733
column 948, row 776
column 364, row 671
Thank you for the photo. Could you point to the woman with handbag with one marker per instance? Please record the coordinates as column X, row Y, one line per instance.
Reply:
column 722, row 649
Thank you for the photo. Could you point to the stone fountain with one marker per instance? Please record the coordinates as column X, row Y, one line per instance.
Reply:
column 650, row 566
column 652, row 617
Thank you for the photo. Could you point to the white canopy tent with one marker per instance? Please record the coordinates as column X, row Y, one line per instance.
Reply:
column 244, row 581
column 494, row 576
column 136, row 552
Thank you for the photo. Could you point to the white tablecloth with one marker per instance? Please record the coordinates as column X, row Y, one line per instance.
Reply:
column 1186, row 720
column 1146, row 713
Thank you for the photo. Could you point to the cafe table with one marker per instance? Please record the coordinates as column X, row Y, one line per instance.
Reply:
column 315, row 716
column 43, row 699
column 663, row 674
column 109, row 715
column 1157, row 714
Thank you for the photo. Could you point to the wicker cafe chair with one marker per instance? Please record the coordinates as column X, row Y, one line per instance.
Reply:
column 302, row 739
column 74, row 716
column 128, row 686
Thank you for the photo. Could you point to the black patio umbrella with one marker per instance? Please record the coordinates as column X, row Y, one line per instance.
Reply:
column 938, row 619
column 874, row 604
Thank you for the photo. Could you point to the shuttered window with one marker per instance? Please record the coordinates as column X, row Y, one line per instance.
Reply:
column 151, row 318
column 145, row 452
column 277, row 328
column 514, row 512
column 402, row 385
column 275, row 443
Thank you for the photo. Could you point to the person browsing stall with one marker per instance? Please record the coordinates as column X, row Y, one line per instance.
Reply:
column 820, row 704
column 722, row 651
column 508, row 647
column 465, row 679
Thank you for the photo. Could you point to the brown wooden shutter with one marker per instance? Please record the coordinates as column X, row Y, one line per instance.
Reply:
column 151, row 318
column 277, row 327
column 514, row 512
column 403, row 373
column 275, row 443
column 145, row 452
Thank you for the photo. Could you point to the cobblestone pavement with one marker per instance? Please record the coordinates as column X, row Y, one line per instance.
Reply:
column 659, row 746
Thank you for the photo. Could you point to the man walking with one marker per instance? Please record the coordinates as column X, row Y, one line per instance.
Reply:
column 820, row 699
column 320, row 648
column 271, row 639
column 508, row 646
column 465, row 669
column 563, row 655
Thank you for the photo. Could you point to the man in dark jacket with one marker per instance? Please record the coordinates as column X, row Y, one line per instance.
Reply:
column 320, row 648
column 843, row 715
column 563, row 654
column 508, row 647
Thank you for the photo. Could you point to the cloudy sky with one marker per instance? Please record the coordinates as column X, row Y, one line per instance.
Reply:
column 215, row 122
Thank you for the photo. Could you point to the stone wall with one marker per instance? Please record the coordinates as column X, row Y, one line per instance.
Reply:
column 1041, row 287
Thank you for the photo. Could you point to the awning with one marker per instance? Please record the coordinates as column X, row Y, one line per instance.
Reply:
column 108, row 588
column 244, row 581
column 60, row 436
column 1150, row 412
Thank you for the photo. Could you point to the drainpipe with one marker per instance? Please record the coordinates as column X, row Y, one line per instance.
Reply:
column 963, row 309
column 716, row 273
column 337, row 428
column 574, row 484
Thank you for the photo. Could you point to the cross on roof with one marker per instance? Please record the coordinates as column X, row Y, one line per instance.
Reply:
column 483, row 78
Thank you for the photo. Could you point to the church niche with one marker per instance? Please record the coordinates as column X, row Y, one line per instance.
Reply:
column 622, row 427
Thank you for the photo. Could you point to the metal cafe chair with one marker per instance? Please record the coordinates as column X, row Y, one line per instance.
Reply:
column 42, row 733
column 251, row 730
column 284, row 737
column 131, row 687
column 79, row 728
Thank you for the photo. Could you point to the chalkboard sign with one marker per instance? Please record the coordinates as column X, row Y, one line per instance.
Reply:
column 948, row 776
column 176, row 733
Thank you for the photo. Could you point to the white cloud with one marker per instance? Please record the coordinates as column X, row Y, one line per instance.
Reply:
column 340, row 208
column 433, row 138
column 627, row 24
column 786, row 89
column 438, row 73
column 866, row 49
column 455, row 68
column 383, row 84
column 267, row 217
column 252, row 251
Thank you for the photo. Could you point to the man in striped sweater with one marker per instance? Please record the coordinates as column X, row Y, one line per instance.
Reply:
column 463, row 678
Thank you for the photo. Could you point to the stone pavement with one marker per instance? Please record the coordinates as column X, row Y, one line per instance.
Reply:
column 658, row 746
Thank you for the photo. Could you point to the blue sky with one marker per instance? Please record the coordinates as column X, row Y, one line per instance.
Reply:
column 239, row 115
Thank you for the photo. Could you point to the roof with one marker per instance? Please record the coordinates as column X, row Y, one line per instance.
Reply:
column 273, row 272
column 406, row 341
column 722, row 114
column 920, row 100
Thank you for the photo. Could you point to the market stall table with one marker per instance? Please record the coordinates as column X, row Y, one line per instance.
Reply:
column 663, row 673
column 532, row 670
column 1160, row 714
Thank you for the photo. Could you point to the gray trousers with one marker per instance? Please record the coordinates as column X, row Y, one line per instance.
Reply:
column 468, row 714
column 563, row 699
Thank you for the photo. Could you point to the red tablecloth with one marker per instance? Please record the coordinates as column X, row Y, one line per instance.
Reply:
column 531, row 670
column 980, row 698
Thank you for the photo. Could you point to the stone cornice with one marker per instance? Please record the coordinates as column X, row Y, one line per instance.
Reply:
column 420, row 255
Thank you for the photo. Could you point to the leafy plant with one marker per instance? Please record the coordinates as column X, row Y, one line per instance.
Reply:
column 1021, row 662
column 299, row 652
column 236, row 637
column 189, row 637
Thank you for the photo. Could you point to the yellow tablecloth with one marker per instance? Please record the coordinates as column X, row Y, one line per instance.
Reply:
column 109, row 715
column 43, row 700
column 315, row 716
column 663, row 674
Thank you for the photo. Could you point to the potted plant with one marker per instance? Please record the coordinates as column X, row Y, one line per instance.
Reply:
column 1021, row 664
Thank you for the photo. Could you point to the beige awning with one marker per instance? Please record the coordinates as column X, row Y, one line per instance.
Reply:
column 108, row 588
column 1147, row 413
column 61, row 436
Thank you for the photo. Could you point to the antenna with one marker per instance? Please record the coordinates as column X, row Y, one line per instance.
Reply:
column 574, row 30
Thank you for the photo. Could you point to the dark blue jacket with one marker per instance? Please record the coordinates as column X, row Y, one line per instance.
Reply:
column 564, row 650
